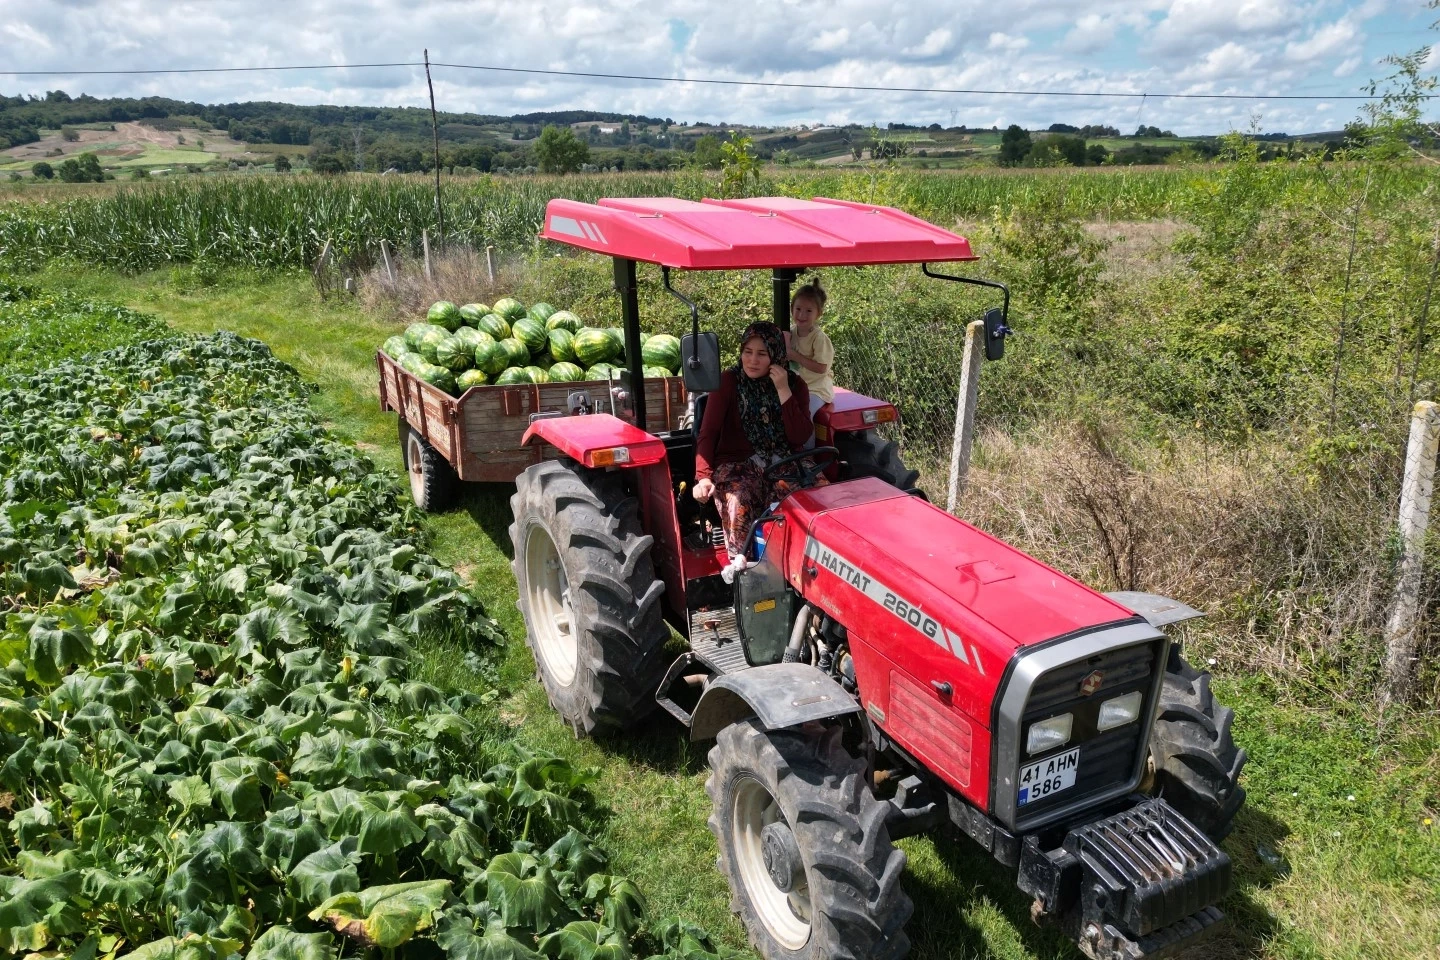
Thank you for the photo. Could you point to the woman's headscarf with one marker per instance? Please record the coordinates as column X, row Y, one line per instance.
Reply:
column 760, row 413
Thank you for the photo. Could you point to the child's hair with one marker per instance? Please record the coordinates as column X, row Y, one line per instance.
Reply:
column 813, row 292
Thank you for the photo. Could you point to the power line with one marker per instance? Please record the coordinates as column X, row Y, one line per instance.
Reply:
column 784, row 84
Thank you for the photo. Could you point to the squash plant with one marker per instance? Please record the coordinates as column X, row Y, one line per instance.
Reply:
column 211, row 741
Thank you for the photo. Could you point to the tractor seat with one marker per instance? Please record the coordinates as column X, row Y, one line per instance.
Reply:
column 700, row 400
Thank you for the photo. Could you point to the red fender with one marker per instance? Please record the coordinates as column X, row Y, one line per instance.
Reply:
column 598, row 440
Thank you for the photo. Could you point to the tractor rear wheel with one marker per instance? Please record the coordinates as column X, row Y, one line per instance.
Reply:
column 867, row 454
column 588, row 594
column 804, row 846
column 1195, row 760
column 433, row 483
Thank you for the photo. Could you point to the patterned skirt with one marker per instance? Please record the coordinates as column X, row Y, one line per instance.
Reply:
column 741, row 495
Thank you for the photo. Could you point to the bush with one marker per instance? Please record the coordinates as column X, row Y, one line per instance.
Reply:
column 42, row 171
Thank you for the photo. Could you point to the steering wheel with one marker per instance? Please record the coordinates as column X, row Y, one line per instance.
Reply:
column 802, row 477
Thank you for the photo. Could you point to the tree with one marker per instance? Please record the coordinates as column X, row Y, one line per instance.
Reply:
column 282, row 164
column 1015, row 144
column 1070, row 149
column 739, row 163
column 1096, row 154
column 84, row 169
column 69, row 134
column 560, row 151
column 42, row 171
column 707, row 153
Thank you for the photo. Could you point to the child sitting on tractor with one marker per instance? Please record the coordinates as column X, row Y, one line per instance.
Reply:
column 809, row 346
column 759, row 415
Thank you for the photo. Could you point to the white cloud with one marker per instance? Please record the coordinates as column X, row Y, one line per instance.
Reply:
column 1091, row 34
column 830, row 40
column 1225, row 62
column 936, row 42
column 1324, row 42
column 1348, row 66
column 1004, row 41
column 1190, row 23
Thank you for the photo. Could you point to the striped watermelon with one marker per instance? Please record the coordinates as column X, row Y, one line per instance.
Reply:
column 509, row 308
column 563, row 319
column 495, row 325
column 541, row 312
column 412, row 362
column 516, row 353
column 471, row 378
column 594, row 346
column 603, row 371
column 532, row 333
column 491, row 358
column 512, row 376
column 437, row 376
column 430, row 342
column 444, row 313
column 454, row 355
column 472, row 338
column 537, row 374
column 662, row 350
column 618, row 336
column 563, row 372
column 416, row 332
column 657, row 372
column 562, row 345
column 471, row 313
column 394, row 346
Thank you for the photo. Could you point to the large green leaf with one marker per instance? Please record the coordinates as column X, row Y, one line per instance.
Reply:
column 228, row 846
column 621, row 905
column 524, row 892
column 326, row 872
column 128, row 892
column 584, row 940
column 189, row 947
column 385, row 916
column 456, row 935
column 237, row 781
column 190, row 792
column 289, row 836
column 282, row 943
column 37, row 911
column 54, row 647
column 385, row 821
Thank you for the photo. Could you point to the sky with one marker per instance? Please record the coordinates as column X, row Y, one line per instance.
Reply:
column 1267, row 47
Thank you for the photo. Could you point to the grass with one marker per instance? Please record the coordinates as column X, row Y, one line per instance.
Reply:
column 1333, row 853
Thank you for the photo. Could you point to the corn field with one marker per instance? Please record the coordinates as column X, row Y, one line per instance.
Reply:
column 285, row 221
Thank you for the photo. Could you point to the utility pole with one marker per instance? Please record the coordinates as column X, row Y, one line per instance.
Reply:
column 435, row 132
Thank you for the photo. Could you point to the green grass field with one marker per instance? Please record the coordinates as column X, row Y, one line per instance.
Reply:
column 1335, row 856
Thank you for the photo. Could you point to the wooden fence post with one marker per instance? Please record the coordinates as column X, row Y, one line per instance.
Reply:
column 490, row 262
column 1415, row 497
column 425, row 244
column 965, row 410
column 389, row 259
column 324, row 255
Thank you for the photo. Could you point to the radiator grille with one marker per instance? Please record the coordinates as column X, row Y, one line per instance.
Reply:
column 1108, row 758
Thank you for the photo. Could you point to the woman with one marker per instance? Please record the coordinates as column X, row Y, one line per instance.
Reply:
column 760, row 413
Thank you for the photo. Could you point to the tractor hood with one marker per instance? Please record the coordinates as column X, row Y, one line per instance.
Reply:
column 907, row 576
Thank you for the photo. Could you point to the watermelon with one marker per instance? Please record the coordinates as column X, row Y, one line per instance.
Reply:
column 532, row 333
column 394, row 346
column 594, row 346
column 453, row 354
column 495, row 325
column 657, row 372
column 537, row 374
column 602, row 371
column 471, row 313
column 472, row 338
column 509, row 308
column 412, row 362
column 491, row 358
column 662, row 350
column 544, row 361
column 430, row 342
column 438, row 376
column 512, row 376
column 541, row 312
column 564, row 372
column 563, row 320
column 562, row 345
column 416, row 332
column 471, row 378
column 445, row 314
column 618, row 336
column 516, row 353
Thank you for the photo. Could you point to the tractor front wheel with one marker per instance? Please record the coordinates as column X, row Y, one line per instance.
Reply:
column 1194, row 761
column 588, row 594
column 804, row 846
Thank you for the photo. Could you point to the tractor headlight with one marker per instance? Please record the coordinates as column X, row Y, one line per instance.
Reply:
column 1118, row 711
column 1049, row 734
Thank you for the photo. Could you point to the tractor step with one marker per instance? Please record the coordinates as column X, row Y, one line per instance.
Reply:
column 715, row 640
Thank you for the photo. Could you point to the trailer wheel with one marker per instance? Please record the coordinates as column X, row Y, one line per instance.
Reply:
column 867, row 454
column 433, row 483
column 588, row 594
column 804, row 846
column 1195, row 761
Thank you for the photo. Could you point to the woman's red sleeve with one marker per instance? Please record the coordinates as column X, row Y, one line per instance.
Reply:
column 717, row 408
column 796, row 411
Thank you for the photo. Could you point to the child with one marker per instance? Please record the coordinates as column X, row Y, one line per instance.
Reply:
column 809, row 346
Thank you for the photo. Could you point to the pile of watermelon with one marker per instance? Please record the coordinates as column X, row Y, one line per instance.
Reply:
column 457, row 348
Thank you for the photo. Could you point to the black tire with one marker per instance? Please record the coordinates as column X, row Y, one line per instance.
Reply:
column 433, row 483
column 598, row 650
column 1196, row 763
column 867, row 454
column 851, row 873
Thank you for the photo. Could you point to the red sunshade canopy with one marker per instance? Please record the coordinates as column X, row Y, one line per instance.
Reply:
column 757, row 233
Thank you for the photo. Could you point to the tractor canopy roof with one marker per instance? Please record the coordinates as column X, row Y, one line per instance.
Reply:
column 756, row 233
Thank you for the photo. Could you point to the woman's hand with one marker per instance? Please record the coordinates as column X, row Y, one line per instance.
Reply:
column 703, row 490
column 781, row 378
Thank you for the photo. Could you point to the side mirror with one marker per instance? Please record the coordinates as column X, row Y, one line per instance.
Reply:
column 995, row 333
column 700, row 361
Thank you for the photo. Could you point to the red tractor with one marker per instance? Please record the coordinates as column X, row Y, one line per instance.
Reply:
column 886, row 668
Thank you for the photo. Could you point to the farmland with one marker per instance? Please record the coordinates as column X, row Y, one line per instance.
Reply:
column 1178, row 347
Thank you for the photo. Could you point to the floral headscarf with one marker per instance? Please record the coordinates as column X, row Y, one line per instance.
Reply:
column 760, row 413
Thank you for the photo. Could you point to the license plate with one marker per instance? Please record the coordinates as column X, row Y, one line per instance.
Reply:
column 1047, row 777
